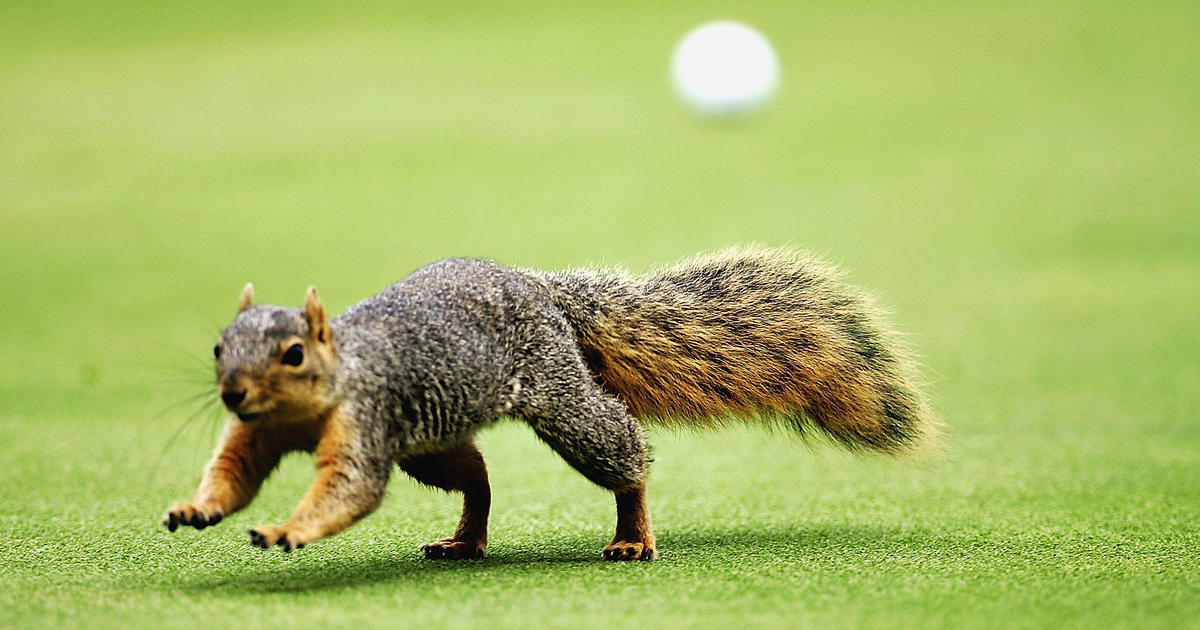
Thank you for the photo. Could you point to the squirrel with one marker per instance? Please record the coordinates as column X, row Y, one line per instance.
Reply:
column 408, row 376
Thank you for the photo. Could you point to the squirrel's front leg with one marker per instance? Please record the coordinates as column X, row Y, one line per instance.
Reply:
column 352, row 473
column 244, row 457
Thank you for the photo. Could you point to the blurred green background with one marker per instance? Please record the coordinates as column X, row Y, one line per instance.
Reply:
column 1019, row 181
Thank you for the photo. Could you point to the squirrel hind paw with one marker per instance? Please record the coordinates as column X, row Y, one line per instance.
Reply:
column 451, row 549
column 622, row 551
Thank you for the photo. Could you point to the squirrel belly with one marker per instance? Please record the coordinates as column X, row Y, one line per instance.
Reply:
column 752, row 333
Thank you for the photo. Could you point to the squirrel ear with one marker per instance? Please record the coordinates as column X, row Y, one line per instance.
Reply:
column 314, row 314
column 247, row 298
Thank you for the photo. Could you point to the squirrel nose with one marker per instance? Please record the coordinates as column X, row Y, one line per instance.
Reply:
column 233, row 398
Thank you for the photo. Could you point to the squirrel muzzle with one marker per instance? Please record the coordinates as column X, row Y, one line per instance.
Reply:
column 236, row 393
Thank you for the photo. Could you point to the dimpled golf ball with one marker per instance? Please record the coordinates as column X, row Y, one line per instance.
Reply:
column 724, row 69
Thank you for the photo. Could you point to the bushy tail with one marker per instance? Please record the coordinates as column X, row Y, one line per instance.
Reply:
column 750, row 333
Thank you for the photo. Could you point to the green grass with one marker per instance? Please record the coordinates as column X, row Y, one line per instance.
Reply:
column 1020, row 182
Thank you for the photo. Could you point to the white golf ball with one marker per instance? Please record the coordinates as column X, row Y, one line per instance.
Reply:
column 724, row 69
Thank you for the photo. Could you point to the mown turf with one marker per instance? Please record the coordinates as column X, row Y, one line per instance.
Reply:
column 1020, row 182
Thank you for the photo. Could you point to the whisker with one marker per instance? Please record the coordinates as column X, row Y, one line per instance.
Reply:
column 187, row 400
column 197, row 369
column 203, row 438
column 205, row 405
column 200, row 359
column 188, row 369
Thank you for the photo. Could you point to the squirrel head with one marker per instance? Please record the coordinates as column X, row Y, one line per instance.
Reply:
column 276, row 363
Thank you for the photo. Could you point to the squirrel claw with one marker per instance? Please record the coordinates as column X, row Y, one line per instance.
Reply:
column 200, row 520
column 627, row 551
column 268, row 536
column 188, row 514
column 452, row 549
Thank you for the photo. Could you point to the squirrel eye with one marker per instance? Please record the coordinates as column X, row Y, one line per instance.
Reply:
column 217, row 352
column 294, row 355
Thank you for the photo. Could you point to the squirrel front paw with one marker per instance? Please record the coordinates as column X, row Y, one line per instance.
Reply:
column 198, row 516
column 289, row 538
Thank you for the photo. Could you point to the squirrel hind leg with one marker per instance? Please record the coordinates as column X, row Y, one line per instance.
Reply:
column 460, row 468
column 634, row 539
column 595, row 433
